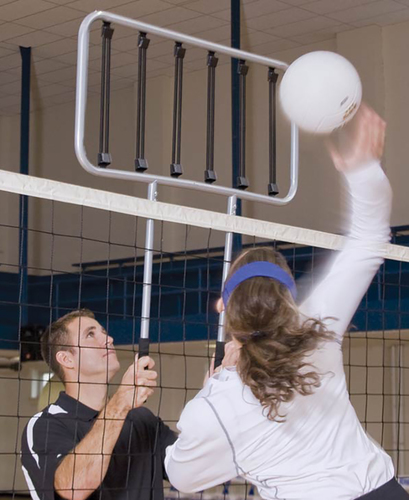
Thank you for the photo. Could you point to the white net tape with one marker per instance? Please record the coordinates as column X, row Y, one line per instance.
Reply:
column 129, row 205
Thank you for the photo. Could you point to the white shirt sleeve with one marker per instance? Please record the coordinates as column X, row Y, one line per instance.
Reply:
column 202, row 456
column 340, row 291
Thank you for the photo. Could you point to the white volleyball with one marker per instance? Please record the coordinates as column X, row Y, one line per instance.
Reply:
column 320, row 91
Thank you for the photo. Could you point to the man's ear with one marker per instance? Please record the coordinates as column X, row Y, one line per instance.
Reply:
column 65, row 359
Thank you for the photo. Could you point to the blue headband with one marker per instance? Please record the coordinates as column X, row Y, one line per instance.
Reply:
column 258, row 269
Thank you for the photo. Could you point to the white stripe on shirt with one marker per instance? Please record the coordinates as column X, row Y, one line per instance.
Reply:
column 30, row 484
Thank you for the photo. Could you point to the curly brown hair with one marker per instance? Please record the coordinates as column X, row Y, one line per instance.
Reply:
column 263, row 317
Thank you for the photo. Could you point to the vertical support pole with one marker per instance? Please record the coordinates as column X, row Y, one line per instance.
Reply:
column 147, row 278
column 235, row 108
column 272, row 131
column 176, row 165
column 228, row 250
column 25, row 53
column 104, row 158
column 242, row 182
column 141, row 164
column 212, row 60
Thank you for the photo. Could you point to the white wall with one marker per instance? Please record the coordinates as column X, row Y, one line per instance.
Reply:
column 395, row 43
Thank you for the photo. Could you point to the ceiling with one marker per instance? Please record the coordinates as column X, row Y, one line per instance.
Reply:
column 50, row 27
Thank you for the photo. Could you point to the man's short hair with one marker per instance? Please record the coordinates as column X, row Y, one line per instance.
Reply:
column 56, row 338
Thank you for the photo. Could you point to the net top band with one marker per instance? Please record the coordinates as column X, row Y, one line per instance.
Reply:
column 258, row 269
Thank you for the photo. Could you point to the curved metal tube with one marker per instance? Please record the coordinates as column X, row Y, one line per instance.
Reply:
column 81, row 100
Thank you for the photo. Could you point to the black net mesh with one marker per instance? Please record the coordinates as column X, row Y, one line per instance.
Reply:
column 72, row 257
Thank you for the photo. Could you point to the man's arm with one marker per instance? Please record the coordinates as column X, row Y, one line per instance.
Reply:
column 83, row 470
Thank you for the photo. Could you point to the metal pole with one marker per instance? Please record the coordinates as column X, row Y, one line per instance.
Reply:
column 25, row 53
column 228, row 250
column 235, row 108
column 272, row 187
column 141, row 163
column 104, row 157
column 147, row 278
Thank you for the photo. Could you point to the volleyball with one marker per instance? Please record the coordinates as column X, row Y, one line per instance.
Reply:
column 320, row 91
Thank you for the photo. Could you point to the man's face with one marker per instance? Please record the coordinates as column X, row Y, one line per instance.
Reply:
column 94, row 356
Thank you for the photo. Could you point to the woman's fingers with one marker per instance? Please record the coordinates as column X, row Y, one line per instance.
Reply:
column 366, row 141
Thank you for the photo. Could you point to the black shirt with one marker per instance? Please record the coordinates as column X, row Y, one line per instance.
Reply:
column 135, row 470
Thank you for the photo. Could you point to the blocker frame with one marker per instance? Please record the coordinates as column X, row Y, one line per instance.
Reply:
column 81, row 102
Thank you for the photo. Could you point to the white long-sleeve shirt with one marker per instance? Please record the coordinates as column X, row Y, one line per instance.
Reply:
column 320, row 451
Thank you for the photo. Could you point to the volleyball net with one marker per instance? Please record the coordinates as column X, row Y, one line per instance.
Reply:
column 87, row 250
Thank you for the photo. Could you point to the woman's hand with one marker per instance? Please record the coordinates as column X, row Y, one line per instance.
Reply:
column 366, row 141
column 231, row 356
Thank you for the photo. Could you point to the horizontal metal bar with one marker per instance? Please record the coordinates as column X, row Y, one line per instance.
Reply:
column 181, row 37
column 81, row 98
